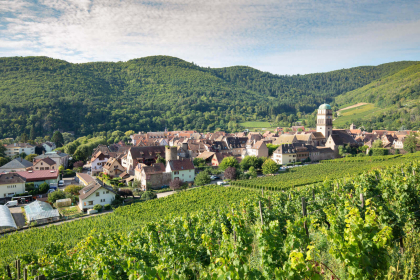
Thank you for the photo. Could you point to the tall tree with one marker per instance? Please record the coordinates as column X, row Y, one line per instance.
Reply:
column 58, row 139
column 24, row 137
column 32, row 133
column 410, row 143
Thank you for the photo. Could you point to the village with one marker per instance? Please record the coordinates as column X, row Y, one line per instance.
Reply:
column 154, row 162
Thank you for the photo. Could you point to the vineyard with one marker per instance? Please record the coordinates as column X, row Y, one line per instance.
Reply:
column 331, row 169
column 364, row 227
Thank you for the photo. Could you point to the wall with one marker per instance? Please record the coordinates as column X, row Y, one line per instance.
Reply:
column 185, row 175
column 109, row 197
column 15, row 188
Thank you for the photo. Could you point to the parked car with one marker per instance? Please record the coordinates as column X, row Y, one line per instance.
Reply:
column 61, row 183
column 11, row 203
column 214, row 177
column 51, row 190
column 221, row 183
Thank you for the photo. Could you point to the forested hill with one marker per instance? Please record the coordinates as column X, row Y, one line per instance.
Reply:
column 45, row 94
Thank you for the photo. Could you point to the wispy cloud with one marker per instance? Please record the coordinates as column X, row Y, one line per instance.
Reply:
column 278, row 36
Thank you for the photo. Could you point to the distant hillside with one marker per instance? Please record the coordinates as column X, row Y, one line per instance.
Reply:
column 395, row 101
column 45, row 94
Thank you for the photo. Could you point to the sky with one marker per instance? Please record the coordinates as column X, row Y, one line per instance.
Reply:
column 281, row 36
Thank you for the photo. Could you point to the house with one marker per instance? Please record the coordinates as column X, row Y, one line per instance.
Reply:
column 145, row 155
column 285, row 154
column 18, row 164
column 387, row 140
column 297, row 128
column 218, row 157
column 11, row 184
column 49, row 146
column 44, row 164
column 181, row 170
column 40, row 176
column 84, row 178
column 57, row 156
column 95, row 193
column 259, row 149
column 19, row 148
column 379, row 132
column 112, row 167
column 155, row 176
column 98, row 160
column 340, row 137
column 207, row 156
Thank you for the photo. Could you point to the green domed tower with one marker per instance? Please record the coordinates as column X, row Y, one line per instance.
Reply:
column 324, row 120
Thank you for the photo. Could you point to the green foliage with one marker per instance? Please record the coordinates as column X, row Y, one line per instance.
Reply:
column 252, row 172
column 161, row 160
column 271, row 148
column 410, row 143
column 56, row 195
column 253, row 161
column 199, row 162
column 73, row 189
column 377, row 144
column 148, row 195
column 31, row 157
column 58, row 139
column 228, row 162
column 98, row 207
column 270, row 167
column 2, row 150
column 378, row 152
column 4, row 160
column 147, row 93
column 107, row 207
column 43, row 188
column 202, row 178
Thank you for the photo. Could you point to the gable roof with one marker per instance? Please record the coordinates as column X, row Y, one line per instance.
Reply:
column 206, row 155
column 91, row 188
column 285, row 139
column 154, row 168
column 258, row 145
column 341, row 137
column 147, row 152
column 47, row 160
column 11, row 178
column 178, row 165
column 17, row 163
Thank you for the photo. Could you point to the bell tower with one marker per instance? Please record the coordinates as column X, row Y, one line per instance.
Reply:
column 324, row 120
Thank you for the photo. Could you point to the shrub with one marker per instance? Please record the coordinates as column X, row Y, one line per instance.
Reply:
column 97, row 207
column 107, row 207
column 148, row 195
column 270, row 167
column 54, row 196
column 43, row 188
column 378, row 152
column 230, row 173
column 73, row 189
column 202, row 179
column 176, row 184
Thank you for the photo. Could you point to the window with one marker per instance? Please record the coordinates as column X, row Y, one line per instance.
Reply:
column 103, row 200
column 107, row 191
column 97, row 193
column 90, row 202
column 176, row 172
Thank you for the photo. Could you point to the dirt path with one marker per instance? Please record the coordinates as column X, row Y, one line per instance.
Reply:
column 353, row 106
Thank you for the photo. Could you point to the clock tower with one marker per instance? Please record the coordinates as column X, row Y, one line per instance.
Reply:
column 324, row 120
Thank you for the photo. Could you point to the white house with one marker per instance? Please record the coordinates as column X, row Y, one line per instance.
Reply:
column 18, row 148
column 284, row 154
column 11, row 184
column 181, row 169
column 49, row 146
column 95, row 193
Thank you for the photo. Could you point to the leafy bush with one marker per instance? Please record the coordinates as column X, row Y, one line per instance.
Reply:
column 378, row 152
column 73, row 189
column 270, row 167
column 228, row 162
column 148, row 195
column 54, row 196
column 107, row 207
column 97, row 207
column 43, row 188
column 230, row 173
column 176, row 184
column 202, row 178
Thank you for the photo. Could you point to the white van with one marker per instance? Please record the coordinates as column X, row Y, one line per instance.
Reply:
column 221, row 183
column 11, row 203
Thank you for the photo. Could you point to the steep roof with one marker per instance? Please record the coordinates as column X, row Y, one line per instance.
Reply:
column 147, row 152
column 285, row 139
column 11, row 178
column 154, row 168
column 91, row 188
column 178, row 165
column 259, row 144
column 205, row 155
column 17, row 163
column 86, row 177
column 47, row 160
column 341, row 137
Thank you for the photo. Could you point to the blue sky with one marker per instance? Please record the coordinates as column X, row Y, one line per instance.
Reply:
column 281, row 36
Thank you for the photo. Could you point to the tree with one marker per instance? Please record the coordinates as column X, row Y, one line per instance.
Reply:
column 254, row 161
column 410, row 143
column 176, row 184
column 2, row 151
column 32, row 133
column 271, row 148
column 228, row 162
column 230, row 173
column 148, row 195
column 161, row 160
column 29, row 187
column 252, row 172
column 43, row 188
column 270, row 167
column 73, row 189
column 202, row 178
column 377, row 144
column 54, row 196
column 67, row 137
column 31, row 157
column 199, row 162
column 24, row 138
column 61, row 168
column 58, row 139
column 3, row 160
column 129, row 133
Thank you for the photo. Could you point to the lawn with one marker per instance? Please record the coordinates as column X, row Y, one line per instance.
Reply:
column 68, row 211
column 250, row 125
column 348, row 116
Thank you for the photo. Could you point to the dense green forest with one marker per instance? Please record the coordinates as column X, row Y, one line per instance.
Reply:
column 43, row 94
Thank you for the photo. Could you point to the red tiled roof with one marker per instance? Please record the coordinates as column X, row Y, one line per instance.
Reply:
column 38, row 175
column 177, row 165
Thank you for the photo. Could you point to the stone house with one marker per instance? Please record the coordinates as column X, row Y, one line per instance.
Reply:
column 154, row 176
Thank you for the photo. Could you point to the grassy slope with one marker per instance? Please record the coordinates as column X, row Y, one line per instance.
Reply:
column 363, row 112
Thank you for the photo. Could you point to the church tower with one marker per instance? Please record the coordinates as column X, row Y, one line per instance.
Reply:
column 324, row 120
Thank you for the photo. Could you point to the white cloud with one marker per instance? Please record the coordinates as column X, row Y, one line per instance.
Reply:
column 278, row 36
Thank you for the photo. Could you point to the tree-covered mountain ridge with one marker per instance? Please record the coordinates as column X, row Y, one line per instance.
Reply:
column 45, row 94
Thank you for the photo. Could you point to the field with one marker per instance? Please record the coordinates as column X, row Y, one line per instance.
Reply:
column 256, row 125
column 339, row 236
column 346, row 117
column 346, row 167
